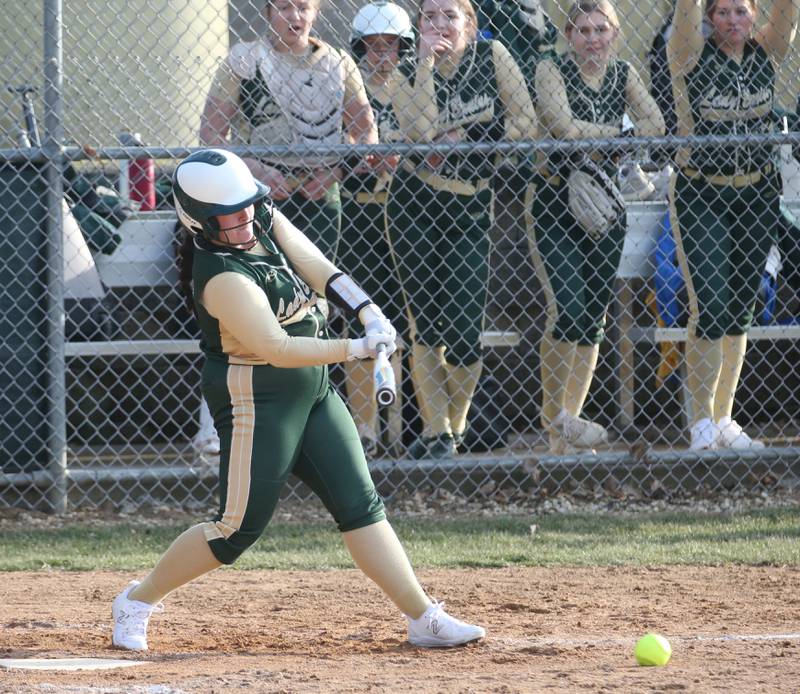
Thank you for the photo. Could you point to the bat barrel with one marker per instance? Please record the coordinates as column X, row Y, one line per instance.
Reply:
column 385, row 397
column 385, row 387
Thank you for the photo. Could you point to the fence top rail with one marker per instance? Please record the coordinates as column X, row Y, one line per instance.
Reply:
column 520, row 147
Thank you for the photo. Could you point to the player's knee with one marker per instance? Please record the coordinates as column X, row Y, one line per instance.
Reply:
column 739, row 325
column 365, row 511
column 228, row 549
column 579, row 331
column 713, row 327
column 462, row 353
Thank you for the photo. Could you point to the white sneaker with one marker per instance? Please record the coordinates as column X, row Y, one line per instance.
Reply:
column 437, row 629
column 559, row 446
column 634, row 184
column 130, row 620
column 704, row 435
column 206, row 446
column 581, row 433
column 731, row 435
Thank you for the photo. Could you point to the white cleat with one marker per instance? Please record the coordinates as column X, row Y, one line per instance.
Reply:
column 705, row 436
column 130, row 620
column 731, row 435
column 437, row 629
column 578, row 432
column 208, row 445
column 559, row 446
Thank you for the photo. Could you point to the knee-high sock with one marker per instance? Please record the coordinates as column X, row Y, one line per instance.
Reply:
column 360, row 396
column 378, row 553
column 461, row 384
column 580, row 378
column 430, row 382
column 557, row 359
column 187, row 558
column 703, row 364
column 733, row 349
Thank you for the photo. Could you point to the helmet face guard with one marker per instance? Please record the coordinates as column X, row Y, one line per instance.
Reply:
column 210, row 183
column 381, row 18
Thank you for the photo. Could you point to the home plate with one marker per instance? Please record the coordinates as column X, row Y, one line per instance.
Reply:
column 66, row 663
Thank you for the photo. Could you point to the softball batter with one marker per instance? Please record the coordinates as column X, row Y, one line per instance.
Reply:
column 582, row 94
column 724, row 200
column 256, row 282
column 381, row 36
column 440, row 208
column 289, row 88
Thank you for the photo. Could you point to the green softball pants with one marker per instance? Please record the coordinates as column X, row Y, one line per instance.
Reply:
column 576, row 271
column 320, row 220
column 723, row 236
column 440, row 242
column 272, row 422
column 364, row 253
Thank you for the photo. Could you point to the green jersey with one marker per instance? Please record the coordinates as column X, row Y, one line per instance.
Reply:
column 726, row 97
column 469, row 99
column 291, row 299
column 603, row 106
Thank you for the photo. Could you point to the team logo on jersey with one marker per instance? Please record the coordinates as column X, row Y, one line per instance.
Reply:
column 480, row 108
column 303, row 300
column 717, row 105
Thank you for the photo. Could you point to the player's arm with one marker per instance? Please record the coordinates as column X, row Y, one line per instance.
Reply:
column 244, row 312
column 777, row 35
column 642, row 107
column 324, row 277
column 555, row 112
column 359, row 121
column 415, row 104
column 520, row 116
column 220, row 107
column 686, row 42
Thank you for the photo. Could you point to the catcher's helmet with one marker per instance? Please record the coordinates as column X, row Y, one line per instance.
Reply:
column 213, row 182
column 381, row 18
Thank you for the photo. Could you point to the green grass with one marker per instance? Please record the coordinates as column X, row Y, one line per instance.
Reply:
column 753, row 537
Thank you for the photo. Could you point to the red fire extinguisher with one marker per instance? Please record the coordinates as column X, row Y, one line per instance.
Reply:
column 141, row 175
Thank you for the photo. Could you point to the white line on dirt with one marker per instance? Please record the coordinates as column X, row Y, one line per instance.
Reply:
column 66, row 663
column 545, row 642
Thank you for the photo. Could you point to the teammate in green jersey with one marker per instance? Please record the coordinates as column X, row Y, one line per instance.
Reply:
column 257, row 280
column 440, row 207
column 724, row 199
column 582, row 94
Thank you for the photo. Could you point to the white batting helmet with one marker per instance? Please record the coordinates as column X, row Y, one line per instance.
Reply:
column 212, row 182
column 381, row 18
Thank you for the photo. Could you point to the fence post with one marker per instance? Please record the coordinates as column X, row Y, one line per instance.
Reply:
column 56, row 495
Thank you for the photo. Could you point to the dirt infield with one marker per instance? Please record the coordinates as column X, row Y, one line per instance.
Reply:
column 549, row 629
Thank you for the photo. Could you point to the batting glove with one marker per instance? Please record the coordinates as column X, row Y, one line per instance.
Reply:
column 374, row 321
column 367, row 347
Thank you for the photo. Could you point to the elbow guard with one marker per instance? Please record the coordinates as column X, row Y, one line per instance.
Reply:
column 342, row 291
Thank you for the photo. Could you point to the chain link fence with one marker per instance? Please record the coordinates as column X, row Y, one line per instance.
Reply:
column 536, row 358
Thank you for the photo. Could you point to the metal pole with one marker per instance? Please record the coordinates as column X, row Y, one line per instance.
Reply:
column 56, row 494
